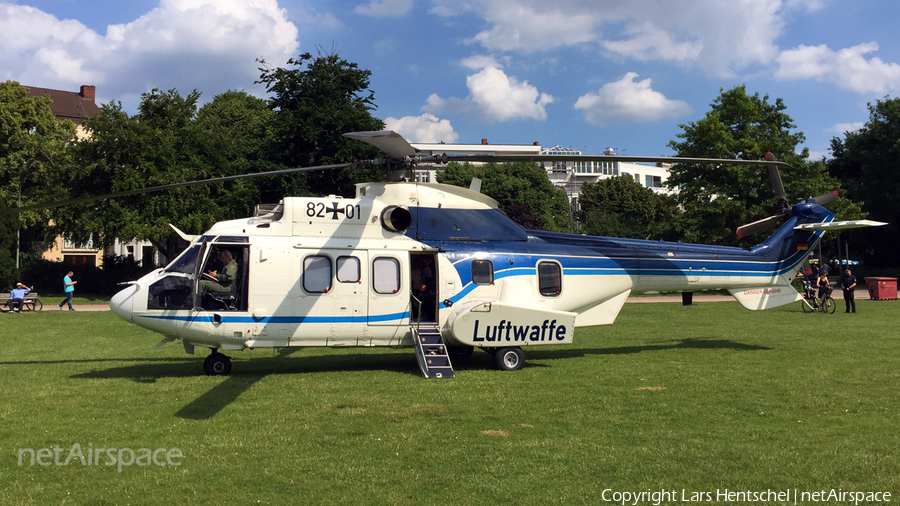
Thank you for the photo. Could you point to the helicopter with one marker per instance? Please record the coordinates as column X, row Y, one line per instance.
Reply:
column 438, row 268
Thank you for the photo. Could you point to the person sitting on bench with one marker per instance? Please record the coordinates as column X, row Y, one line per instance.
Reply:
column 17, row 297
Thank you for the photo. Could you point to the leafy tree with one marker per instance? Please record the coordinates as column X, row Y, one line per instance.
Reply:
column 621, row 207
column 717, row 199
column 521, row 188
column 33, row 147
column 168, row 141
column 867, row 162
column 314, row 105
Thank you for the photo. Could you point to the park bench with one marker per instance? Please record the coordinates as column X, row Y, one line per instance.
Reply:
column 30, row 303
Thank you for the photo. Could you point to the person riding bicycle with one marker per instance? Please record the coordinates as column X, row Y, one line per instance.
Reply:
column 823, row 286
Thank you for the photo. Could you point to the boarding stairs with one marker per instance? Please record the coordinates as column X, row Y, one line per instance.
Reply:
column 431, row 352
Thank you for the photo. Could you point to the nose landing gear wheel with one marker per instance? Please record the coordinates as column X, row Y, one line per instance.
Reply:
column 217, row 364
column 509, row 359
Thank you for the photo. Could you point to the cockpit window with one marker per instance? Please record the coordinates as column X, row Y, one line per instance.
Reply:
column 186, row 261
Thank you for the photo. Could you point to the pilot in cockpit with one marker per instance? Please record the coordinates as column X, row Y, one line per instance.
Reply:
column 223, row 278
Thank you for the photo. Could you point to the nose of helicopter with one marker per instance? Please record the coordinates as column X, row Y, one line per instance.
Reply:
column 122, row 303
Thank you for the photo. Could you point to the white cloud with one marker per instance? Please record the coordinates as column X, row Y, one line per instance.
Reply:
column 847, row 68
column 719, row 37
column 479, row 62
column 627, row 101
column 808, row 5
column 384, row 8
column 181, row 44
column 424, row 128
column 494, row 97
column 521, row 26
column 842, row 128
column 649, row 43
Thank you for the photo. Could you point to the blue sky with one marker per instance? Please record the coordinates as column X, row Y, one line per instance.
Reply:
column 586, row 74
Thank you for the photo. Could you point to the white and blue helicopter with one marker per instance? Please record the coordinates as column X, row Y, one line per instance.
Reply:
column 442, row 269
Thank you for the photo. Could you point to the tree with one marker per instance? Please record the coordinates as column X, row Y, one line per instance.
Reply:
column 717, row 199
column 867, row 162
column 313, row 108
column 34, row 146
column 521, row 188
column 168, row 141
column 620, row 207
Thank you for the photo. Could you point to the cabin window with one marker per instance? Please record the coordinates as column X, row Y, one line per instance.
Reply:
column 348, row 270
column 317, row 274
column 482, row 272
column 549, row 279
column 187, row 261
column 386, row 275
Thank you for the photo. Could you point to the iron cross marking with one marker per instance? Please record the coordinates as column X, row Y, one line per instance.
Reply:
column 334, row 210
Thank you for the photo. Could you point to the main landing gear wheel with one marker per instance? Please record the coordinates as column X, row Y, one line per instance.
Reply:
column 217, row 364
column 509, row 359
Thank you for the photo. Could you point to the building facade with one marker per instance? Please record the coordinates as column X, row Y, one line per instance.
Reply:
column 570, row 175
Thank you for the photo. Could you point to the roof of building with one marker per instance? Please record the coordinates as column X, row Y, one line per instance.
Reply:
column 72, row 105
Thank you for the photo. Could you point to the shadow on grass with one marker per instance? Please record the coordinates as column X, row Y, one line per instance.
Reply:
column 693, row 343
column 91, row 361
column 209, row 404
column 245, row 373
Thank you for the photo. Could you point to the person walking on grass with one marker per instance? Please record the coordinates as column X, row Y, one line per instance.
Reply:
column 69, row 286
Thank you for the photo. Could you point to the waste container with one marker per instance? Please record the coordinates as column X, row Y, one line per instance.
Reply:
column 882, row 288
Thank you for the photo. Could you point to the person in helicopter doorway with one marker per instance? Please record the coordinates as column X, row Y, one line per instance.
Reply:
column 424, row 288
column 224, row 278
column 849, row 284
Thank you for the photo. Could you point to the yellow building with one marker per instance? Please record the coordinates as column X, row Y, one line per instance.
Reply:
column 76, row 106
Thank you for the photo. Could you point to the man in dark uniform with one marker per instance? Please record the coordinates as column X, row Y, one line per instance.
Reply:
column 424, row 288
column 849, row 283
column 225, row 276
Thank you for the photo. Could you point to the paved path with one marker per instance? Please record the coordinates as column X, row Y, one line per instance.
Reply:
column 861, row 294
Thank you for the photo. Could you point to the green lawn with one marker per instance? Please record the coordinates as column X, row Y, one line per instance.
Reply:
column 678, row 398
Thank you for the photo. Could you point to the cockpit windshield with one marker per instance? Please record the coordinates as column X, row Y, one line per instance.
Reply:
column 187, row 261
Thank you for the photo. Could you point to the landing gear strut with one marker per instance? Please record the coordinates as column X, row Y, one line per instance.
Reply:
column 217, row 364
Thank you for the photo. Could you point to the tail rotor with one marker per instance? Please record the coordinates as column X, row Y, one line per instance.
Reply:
column 786, row 210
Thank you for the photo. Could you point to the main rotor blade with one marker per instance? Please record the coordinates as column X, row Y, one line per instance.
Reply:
column 392, row 143
column 758, row 226
column 607, row 158
column 776, row 179
column 827, row 198
column 125, row 193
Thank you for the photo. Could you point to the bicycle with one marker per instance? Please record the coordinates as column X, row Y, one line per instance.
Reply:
column 825, row 305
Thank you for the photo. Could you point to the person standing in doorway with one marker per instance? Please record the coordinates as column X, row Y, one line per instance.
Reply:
column 849, row 284
column 69, row 287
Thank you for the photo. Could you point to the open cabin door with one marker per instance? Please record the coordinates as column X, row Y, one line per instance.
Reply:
column 232, row 296
column 423, row 277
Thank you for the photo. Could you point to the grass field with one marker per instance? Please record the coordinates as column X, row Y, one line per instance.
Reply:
column 694, row 399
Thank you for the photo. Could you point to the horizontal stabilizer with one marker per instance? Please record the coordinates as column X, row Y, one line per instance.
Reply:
column 765, row 297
